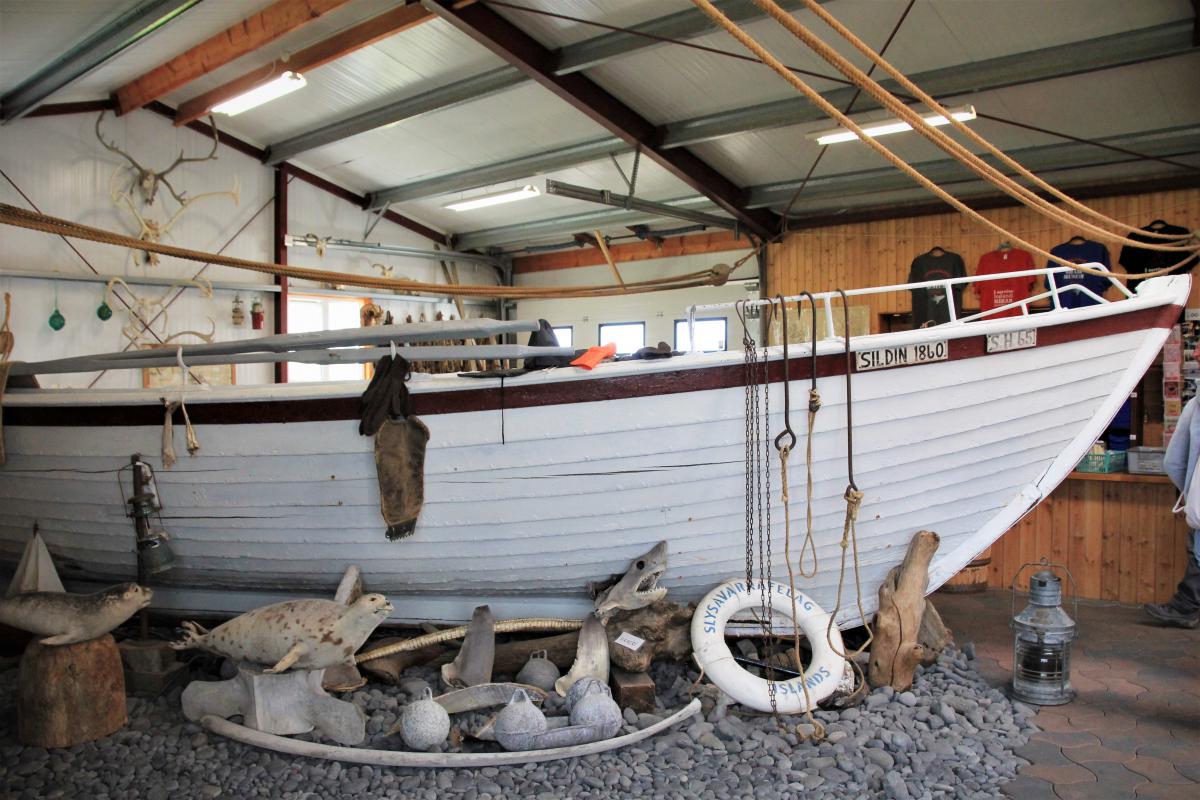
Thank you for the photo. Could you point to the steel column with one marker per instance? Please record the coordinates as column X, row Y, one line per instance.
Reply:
column 279, row 256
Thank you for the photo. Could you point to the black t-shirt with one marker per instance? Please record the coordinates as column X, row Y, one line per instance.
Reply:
column 929, row 305
column 1138, row 259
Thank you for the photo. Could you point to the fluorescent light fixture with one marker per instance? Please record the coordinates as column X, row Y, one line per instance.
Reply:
column 286, row 83
column 884, row 127
column 494, row 199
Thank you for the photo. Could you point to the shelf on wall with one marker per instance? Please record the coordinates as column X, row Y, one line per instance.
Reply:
column 231, row 286
column 132, row 280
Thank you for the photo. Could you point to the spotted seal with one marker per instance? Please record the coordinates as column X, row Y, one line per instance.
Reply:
column 67, row 618
column 306, row 634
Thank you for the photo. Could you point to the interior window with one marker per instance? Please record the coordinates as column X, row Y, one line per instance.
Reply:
column 308, row 313
column 629, row 336
column 710, row 335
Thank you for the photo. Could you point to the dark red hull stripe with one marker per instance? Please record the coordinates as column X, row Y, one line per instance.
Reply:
column 529, row 396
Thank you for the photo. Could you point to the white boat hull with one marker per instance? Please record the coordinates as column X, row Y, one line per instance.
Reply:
column 529, row 502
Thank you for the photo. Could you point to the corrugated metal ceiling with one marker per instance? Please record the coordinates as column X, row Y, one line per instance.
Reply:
column 664, row 83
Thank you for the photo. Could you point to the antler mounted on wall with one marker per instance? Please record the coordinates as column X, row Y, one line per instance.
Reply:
column 152, row 230
column 147, row 180
column 143, row 312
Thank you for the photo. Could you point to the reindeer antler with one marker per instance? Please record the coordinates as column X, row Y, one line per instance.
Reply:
column 113, row 148
column 212, row 155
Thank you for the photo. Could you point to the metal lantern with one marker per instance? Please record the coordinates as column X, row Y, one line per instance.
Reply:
column 1043, row 633
column 154, row 554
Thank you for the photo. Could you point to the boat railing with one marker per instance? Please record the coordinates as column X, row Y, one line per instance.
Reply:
column 825, row 299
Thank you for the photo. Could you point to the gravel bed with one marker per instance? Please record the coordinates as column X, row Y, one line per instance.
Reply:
column 951, row 736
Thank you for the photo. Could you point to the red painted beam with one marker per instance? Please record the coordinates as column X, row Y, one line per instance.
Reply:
column 525, row 53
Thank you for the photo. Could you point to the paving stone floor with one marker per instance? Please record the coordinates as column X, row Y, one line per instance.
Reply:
column 1134, row 729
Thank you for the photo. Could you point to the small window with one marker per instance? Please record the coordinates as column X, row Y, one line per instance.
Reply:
column 710, row 335
column 565, row 336
column 307, row 313
column 629, row 336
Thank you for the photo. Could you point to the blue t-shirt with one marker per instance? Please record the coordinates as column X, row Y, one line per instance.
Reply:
column 1083, row 253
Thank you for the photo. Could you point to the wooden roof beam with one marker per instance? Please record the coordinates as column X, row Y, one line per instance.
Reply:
column 343, row 43
column 277, row 19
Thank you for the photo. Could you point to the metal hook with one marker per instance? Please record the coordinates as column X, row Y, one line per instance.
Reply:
column 787, row 398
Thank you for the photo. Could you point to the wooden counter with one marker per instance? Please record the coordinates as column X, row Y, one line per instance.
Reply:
column 1114, row 531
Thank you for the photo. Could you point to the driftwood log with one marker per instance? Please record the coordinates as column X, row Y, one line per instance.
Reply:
column 896, row 651
column 70, row 694
column 665, row 627
column 389, row 669
column 934, row 636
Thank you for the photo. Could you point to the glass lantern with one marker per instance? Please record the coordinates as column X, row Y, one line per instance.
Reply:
column 1042, row 637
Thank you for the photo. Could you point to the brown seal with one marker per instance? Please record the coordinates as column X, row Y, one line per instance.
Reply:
column 67, row 618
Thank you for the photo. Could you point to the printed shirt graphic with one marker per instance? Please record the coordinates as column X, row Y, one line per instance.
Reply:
column 993, row 294
column 1085, row 252
column 929, row 305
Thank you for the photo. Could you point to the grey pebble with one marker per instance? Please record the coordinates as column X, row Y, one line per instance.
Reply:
column 950, row 735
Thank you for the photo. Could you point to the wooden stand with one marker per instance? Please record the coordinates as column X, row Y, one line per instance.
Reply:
column 70, row 694
column 895, row 653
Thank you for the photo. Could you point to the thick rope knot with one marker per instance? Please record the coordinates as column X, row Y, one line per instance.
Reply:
column 784, row 452
column 814, row 401
column 854, row 500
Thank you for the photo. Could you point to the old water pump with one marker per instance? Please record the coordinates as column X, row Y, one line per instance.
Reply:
column 1043, row 634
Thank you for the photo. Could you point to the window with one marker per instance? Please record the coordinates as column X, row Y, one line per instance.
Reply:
column 629, row 336
column 565, row 336
column 710, row 335
column 307, row 313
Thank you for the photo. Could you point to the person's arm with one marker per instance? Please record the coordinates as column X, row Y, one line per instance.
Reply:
column 1175, row 461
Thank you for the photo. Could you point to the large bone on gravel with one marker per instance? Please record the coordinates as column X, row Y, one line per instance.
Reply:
column 895, row 652
column 473, row 664
column 591, row 656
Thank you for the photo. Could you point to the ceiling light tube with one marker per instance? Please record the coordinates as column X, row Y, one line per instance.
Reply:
column 286, row 83
column 495, row 198
column 893, row 125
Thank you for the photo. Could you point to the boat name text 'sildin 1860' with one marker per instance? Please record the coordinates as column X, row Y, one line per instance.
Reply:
column 901, row 356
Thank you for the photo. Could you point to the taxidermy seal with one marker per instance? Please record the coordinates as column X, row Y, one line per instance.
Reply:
column 306, row 634
column 69, row 618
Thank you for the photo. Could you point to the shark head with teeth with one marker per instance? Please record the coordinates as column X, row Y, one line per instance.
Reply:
column 639, row 587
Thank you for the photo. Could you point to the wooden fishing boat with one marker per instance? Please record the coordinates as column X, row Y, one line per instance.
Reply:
column 539, row 484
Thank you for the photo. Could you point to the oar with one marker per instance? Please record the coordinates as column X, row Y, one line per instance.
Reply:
column 165, row 357
column 348, row 337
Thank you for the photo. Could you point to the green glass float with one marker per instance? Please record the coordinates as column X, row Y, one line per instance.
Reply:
column 103, row 311
column 57, row 320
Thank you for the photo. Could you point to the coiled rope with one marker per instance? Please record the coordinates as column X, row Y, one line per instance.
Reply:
column 21, row 218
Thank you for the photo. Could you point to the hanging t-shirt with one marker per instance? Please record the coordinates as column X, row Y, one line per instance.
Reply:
column 929, row 305
column 1141, row 260
column 993, row 294
column 1084, row 252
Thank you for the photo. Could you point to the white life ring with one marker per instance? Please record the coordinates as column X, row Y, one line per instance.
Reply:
column 714, row 657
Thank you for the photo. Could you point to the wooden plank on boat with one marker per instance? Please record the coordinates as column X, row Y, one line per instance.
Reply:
column 165, row 357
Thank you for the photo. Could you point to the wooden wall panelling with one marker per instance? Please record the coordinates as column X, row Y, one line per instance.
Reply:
column 1110, row 542
column 1118, row 538
column 880, row 252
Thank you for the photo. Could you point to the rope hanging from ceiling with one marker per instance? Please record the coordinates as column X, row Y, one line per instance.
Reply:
column 1025, row 196
column 21, row 218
